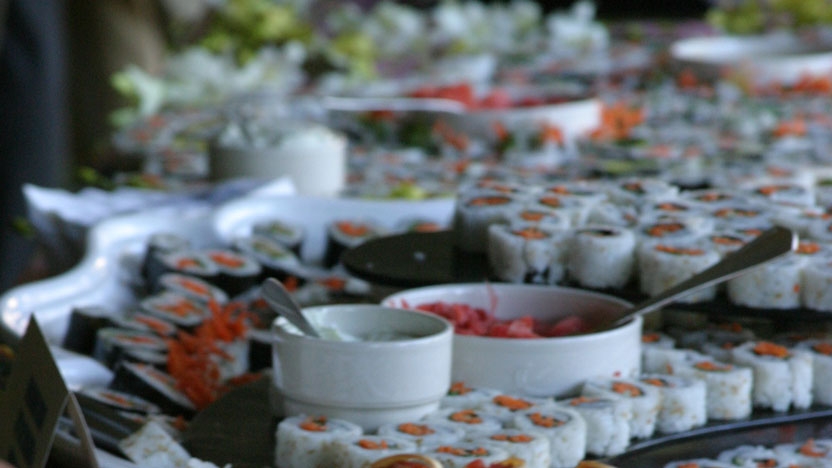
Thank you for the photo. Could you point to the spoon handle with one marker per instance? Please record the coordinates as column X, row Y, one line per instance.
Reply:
column 282, row 302
column 767, row 246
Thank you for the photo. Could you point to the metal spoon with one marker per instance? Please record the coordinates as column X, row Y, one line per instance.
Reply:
column 767, row 246
column 281, row 301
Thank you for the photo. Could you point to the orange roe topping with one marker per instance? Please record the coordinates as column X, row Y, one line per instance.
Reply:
column 711, row 366
column 544, row 421
column 314, row 424
column 372, row 445
column 459, row 388
column 626, row 388
column 488, row 201
column 463, row 452
column 678, row 250
column 518, row 438
column 415, row 429
column 581, row 400
column 807, row 248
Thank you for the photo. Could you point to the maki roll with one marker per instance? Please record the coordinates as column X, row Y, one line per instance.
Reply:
column 175, row 308
column 153, row 385
column 665, row 264
column 275, row 259
column 84, row 324
column 683, row 402
column 423, row 433
column 159, row 245
column 645, row 401
column 461, row 454
column 112, row 342
column 533, row 448
column 606, row 213
column 601, row 256
column 143, row 322
column 728, row 387
column 782, row 376
column 186, row 262
column 565, row 429
column 121, row 401
column 774, row 285
column 362, row 451
column 309, row 441
column 237, row 272
column 526, row 253
column 345, row 234
column 474, row 213
column 638, row 191
column 821, row 351
column 537, row 215
column 607, row 423
column 192, row 286
column 288, row 235
column 576, row 210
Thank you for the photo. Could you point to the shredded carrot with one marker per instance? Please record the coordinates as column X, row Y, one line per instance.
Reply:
column 458, row 388
column 372, row 445
column 712, row 366
column 467, row 416
column 581, row 400
column 516, row 438
column 314, row 424
column 157, row 326
column 544, row 421
column 656, row 382
column 663, row 229
column 626, row 388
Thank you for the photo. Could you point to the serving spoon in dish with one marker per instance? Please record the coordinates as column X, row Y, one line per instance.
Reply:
column 281, row 301
column 765, row 247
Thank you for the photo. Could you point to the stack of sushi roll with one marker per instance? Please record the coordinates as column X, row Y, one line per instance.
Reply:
column 644, row 401
column 158, row 245
column 153, row 385
column 236, row 271
column 275, row 259
column 189, row 262
column 475, row 211
column 176, row 308
column 113, row 345
column 193, row 287
column 782, row 376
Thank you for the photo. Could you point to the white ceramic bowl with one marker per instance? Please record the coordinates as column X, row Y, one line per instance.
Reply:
column 541, row 366
column 367, row 382
column 779, row 57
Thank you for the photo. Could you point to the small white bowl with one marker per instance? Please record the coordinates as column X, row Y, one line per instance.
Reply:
column 538, row 366
column 367, row 382
column 776, row 57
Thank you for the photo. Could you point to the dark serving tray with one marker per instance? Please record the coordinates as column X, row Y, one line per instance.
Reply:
column 240, row 427
column 422, row 259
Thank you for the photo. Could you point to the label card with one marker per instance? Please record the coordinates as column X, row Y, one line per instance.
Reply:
column 34, row 399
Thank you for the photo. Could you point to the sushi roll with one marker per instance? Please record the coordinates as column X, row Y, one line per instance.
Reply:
column 474, row 213
column 526, row 253
column 471, row 421
column 423, row 433
column 728, row 387
column 461, row 454
column 362, row 451
column 607, row 423
column 120, row 401
column 816, row 289
column 606, row 213
column 175, row 308
column 755, row 455
column 784, row 193
column 683, row 402
column 84, row 324
column 308, row 441
column 660, row 360
column 345, row 234
column 821, row 351
column 774, row 285
column 678, row 209
column 576, row 210
column 726, row 241
column 288, row 235
column 650, row 231
column 462, row 396
column 711, row 198
column 237, row 272
column 644, row 401
column 504, row 406
column 537, row 215
column 782, row 376
column 152, row 445
column 565, row 429
column 533, row 448
column 742, row 214
column 275, row 259
column 159, row 245
column 663, row 265
column 601, row 256
column 799, row 219
column 111, row 342
column 192, row 286
column 419, row 225
column 187, row 262
column 153, row 385
column 813, row 452
column 140, row 321
column 588, row 192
